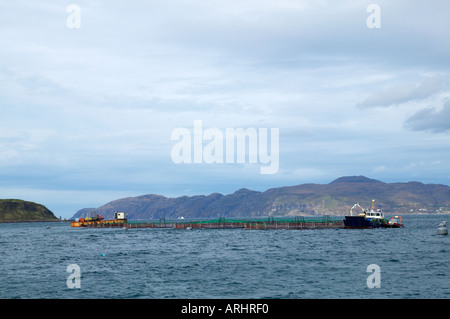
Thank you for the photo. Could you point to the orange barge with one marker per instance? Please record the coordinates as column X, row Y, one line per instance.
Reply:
column 98, row 221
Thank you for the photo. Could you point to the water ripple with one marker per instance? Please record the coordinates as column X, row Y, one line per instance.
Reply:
column 149, row 263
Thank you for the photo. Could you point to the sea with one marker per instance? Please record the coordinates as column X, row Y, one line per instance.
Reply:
column 54, row 261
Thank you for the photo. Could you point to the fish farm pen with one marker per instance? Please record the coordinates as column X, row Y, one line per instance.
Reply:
column 298, row 222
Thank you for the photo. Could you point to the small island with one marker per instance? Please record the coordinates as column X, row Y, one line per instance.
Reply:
column 17, row 210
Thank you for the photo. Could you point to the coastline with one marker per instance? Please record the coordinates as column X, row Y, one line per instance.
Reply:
column 31, row 221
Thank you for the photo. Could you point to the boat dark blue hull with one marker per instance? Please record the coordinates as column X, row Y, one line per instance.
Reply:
column 362, row 222
column 357, row 222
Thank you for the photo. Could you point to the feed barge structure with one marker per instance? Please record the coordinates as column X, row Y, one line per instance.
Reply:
column 120, row 221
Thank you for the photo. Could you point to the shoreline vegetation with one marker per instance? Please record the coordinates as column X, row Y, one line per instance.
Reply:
column 34, row 221
column 18, row 210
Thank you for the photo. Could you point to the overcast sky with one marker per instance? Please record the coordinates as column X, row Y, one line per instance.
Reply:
column 86, row 114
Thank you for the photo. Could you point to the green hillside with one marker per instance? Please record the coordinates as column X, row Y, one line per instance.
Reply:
column 20, row 210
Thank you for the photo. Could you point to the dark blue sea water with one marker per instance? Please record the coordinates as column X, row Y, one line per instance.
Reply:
column 166, row 263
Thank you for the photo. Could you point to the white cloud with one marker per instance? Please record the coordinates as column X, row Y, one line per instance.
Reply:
column 93, row 108
column 406, row 92
column 430, row 119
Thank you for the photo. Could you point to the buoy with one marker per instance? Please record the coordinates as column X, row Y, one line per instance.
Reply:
column 442, row 228
column 102, row 254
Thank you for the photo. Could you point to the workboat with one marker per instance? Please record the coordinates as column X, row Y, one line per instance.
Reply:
column 365, row 219
column 395, row 222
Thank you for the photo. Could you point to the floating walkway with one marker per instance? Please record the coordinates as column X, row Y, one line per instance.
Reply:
column 220, row 223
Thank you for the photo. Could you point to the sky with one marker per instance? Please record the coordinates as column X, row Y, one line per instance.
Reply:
column 90, row 94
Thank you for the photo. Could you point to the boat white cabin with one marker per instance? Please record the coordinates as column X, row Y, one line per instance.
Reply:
column 378, row 214
column 372, row 214
column 375, row 214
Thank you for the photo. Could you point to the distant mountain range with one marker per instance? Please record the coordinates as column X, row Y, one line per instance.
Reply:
column 335, row 198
